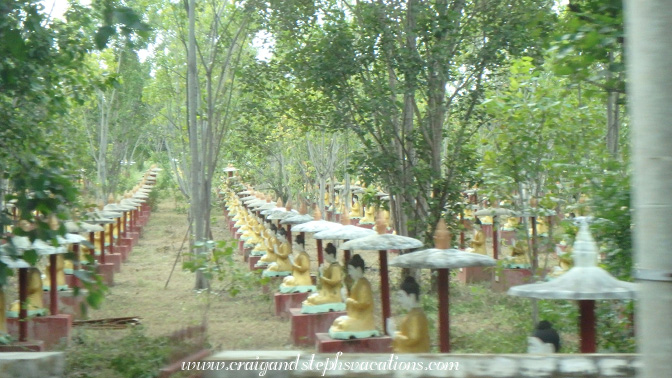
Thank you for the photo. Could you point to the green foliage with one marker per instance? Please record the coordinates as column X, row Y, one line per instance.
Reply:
column 134, row 355
column 218, row 265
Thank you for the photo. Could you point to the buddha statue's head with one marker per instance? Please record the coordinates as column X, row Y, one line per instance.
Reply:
column 356, row 267
column 300, row 242
column 409, row 295
column 330, row 253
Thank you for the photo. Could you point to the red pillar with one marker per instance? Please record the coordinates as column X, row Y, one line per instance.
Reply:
column 102, row 246
column 587, row 326
column 320, row 258
column 53, row 290
column 462, row 230
column 495, row 238
column 444, row 310
column 23, row 298
column 384, row 288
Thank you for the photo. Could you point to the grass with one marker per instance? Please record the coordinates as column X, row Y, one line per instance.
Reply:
column 482, row 321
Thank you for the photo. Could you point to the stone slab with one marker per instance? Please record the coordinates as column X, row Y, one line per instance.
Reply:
column 306, row 326
column 325, row 344
column 52, row 329
column 285, row 302
column 506, row 278
column 475, row 274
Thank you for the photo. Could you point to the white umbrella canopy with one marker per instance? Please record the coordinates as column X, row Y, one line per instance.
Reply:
column 131, row 202
column 379, row 242
column 282, row 214
column 436, row 258
column 118, row 207
column 73, row 227
column 273, row 210
column 347, row 232
column 296, row 218
column 104, row 214
column 584, row 281
column 316, row 226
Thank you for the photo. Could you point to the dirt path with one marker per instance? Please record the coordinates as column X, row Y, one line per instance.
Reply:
column 246, row 321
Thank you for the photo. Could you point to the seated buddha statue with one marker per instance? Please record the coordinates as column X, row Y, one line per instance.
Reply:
column 266, row 243
column 369, row 215
column 282, row 266
column 356, row 209
column 61, row 285
column 34, row 304
column 271, row 246
column 337, row 203
column 478, row 240
column 468, row 213
column 299, row 281
column 511, row 224
column 565, row 263
column 412, row 336
column 542, row 227
column 358, row 322
column 519, row 258
column 331, row 277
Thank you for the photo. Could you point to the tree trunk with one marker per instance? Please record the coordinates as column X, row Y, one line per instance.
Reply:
column 648, row 27
column 196, row 205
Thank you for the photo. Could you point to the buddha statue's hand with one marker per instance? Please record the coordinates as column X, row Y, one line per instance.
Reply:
column 391, row 327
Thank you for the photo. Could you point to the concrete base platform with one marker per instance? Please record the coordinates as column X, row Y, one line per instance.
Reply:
column 68, row 303
column 30, row 346
column 510, row 277
column 114, row 259
column 51, row 329
column 285, row 302
column 325, row 344
column 252, row 261
column 107, row 272
column 475, row 274
column 306, row 326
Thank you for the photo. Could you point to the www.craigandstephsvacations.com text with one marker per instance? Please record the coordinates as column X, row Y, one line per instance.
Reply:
column 323, row 365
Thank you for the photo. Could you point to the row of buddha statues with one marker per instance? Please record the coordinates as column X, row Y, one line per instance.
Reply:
column 335, row 290
column 37, row 282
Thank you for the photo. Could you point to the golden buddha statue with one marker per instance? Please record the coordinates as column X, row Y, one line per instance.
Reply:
column 271, row 245
column 468, row 213
column 61, row 285
column 359, row 321
column 542, row 227
column 355, row 209
column 486, row 219
column 337, row 203
column 519, row 258
column 413, row 333
column 478, row 240
column 282, row 266
column 266, row 234
column 511, row 224
column 331, row 279
column 369, row 215
column 299, row 281
column 34, row 304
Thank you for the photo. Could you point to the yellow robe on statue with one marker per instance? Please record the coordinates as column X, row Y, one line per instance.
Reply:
column 300, row 272
column 330, row 292
column 359, row 308
column 413, row 333
column 282, row 263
